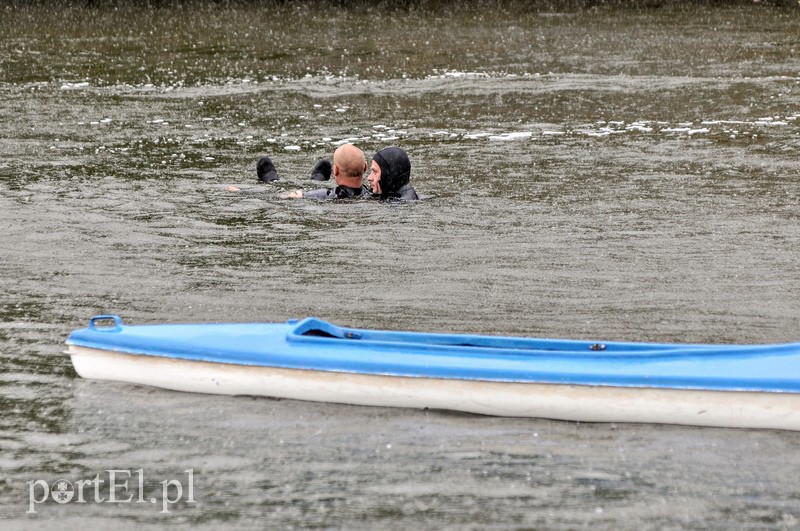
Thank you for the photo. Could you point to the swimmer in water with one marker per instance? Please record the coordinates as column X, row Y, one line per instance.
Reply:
column 348, row 169
column 390, row 175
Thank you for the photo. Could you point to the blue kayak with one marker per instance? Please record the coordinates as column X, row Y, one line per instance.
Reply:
column 311, row 359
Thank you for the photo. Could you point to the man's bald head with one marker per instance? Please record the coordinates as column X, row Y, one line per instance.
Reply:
column 349, row 165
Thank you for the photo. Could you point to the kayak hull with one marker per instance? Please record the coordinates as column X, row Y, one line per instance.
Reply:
column 561, row 402
column 110, row 358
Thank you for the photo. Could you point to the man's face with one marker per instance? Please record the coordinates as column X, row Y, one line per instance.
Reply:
column 374, row 178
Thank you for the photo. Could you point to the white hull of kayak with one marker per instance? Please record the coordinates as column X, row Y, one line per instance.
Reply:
column 584, row 403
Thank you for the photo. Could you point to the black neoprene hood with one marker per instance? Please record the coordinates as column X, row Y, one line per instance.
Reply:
column 395, row 169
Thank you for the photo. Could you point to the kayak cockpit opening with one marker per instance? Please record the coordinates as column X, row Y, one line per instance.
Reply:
column 317, row 333
column 324, row 333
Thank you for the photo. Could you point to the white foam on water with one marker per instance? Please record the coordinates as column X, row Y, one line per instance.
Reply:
column 349, row 140
column 771, row 123
column 75, row 86
column 465, row 75
column 505, row 137
column 640, row 127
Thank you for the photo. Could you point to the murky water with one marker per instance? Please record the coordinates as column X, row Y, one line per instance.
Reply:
column 625, row 172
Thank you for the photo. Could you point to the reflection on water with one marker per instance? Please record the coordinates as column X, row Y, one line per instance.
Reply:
column 623, row 171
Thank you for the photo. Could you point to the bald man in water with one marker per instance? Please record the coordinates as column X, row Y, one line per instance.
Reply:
column 349, row 166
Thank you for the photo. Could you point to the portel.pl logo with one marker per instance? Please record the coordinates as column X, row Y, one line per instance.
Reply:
column 117, row 489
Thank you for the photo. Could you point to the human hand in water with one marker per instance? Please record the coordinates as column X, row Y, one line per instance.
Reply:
column 295, row 194
column 232, row 189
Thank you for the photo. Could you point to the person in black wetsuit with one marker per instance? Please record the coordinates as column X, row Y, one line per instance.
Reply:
column 349, row 166
column 390, row 175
